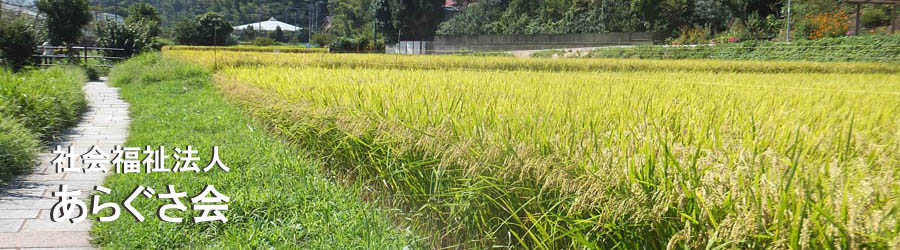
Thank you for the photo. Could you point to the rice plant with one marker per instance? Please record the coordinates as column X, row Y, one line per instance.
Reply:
column 640, row 154
column 236, row 58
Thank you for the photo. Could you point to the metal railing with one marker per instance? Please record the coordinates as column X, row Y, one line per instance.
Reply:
column 80, row 53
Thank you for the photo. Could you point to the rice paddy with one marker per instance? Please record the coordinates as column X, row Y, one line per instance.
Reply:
column 559, row 154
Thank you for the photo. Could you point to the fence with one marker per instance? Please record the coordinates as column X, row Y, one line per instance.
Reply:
column 80, row 53
column 410, row 47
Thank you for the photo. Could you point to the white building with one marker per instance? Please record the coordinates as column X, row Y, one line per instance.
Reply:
column 268, row 25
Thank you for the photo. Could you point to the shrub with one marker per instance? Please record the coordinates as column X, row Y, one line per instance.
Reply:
column 263, row 41
column 693, row 35
column 159, row 43
column 144, row 13
column 322, row 39
column 247, row 34
column 91, row 71
column 45, row 101
column 349, row 44
column 829, row 24
column 278, row 35
column 17, row 43
column 133, row 37
column 18, row 148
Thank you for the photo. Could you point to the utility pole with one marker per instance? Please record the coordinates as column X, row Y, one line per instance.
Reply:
column 787, row 35
column 893, row 18
column 375, row 27
column 309, row 27
column 258, row 16
column 316, row 17
column 856, row 22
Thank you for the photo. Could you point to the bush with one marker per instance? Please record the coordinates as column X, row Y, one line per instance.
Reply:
column 693, row 35
column 44, row 101
column 829, row 24
column 875, row 16
column 350, row 44
column 159, row 43
column 17, row 44
column 278, row 35
column 322, row 39
column 144, row 13
column 18, row 148
column 263, row 41
column 91, row 71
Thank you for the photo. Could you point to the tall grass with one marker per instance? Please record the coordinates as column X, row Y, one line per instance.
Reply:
column 641, row 159
column 18, row 148
column 35, row 105
column 45, row 101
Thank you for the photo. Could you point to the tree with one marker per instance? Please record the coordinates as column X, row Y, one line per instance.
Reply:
column 207, row 29
column 132, row 37
column 278, row 35
column 248, row 33
column 411, row 19
column 146, row 14
column 351, row 18
column 17, row 43
column 65, row 18
column 139, row 11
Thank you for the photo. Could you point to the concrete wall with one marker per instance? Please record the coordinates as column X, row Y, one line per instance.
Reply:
column 452, row 44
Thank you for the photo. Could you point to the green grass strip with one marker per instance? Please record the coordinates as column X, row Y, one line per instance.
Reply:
column 278, row 198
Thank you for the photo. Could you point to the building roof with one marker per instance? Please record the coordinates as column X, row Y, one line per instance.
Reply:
column 269, row 25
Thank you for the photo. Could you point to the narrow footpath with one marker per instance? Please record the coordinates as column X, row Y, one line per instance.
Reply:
column 26, row 202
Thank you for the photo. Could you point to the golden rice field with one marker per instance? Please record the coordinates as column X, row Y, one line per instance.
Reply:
column 231, row 58
column 561, row 154
column 248, row 48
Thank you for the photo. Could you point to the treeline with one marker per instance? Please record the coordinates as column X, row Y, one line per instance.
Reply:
column 581, row 16
column 295, row 12
column 353, row 24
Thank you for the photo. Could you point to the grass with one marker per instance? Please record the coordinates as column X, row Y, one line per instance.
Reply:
column 641, row 157
column 278, row 200
column 224, row 59
column 46, row 101
column 18, row 148
column 35, row 106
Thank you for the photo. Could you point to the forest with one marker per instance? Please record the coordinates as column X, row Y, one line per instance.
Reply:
column 422, row 19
